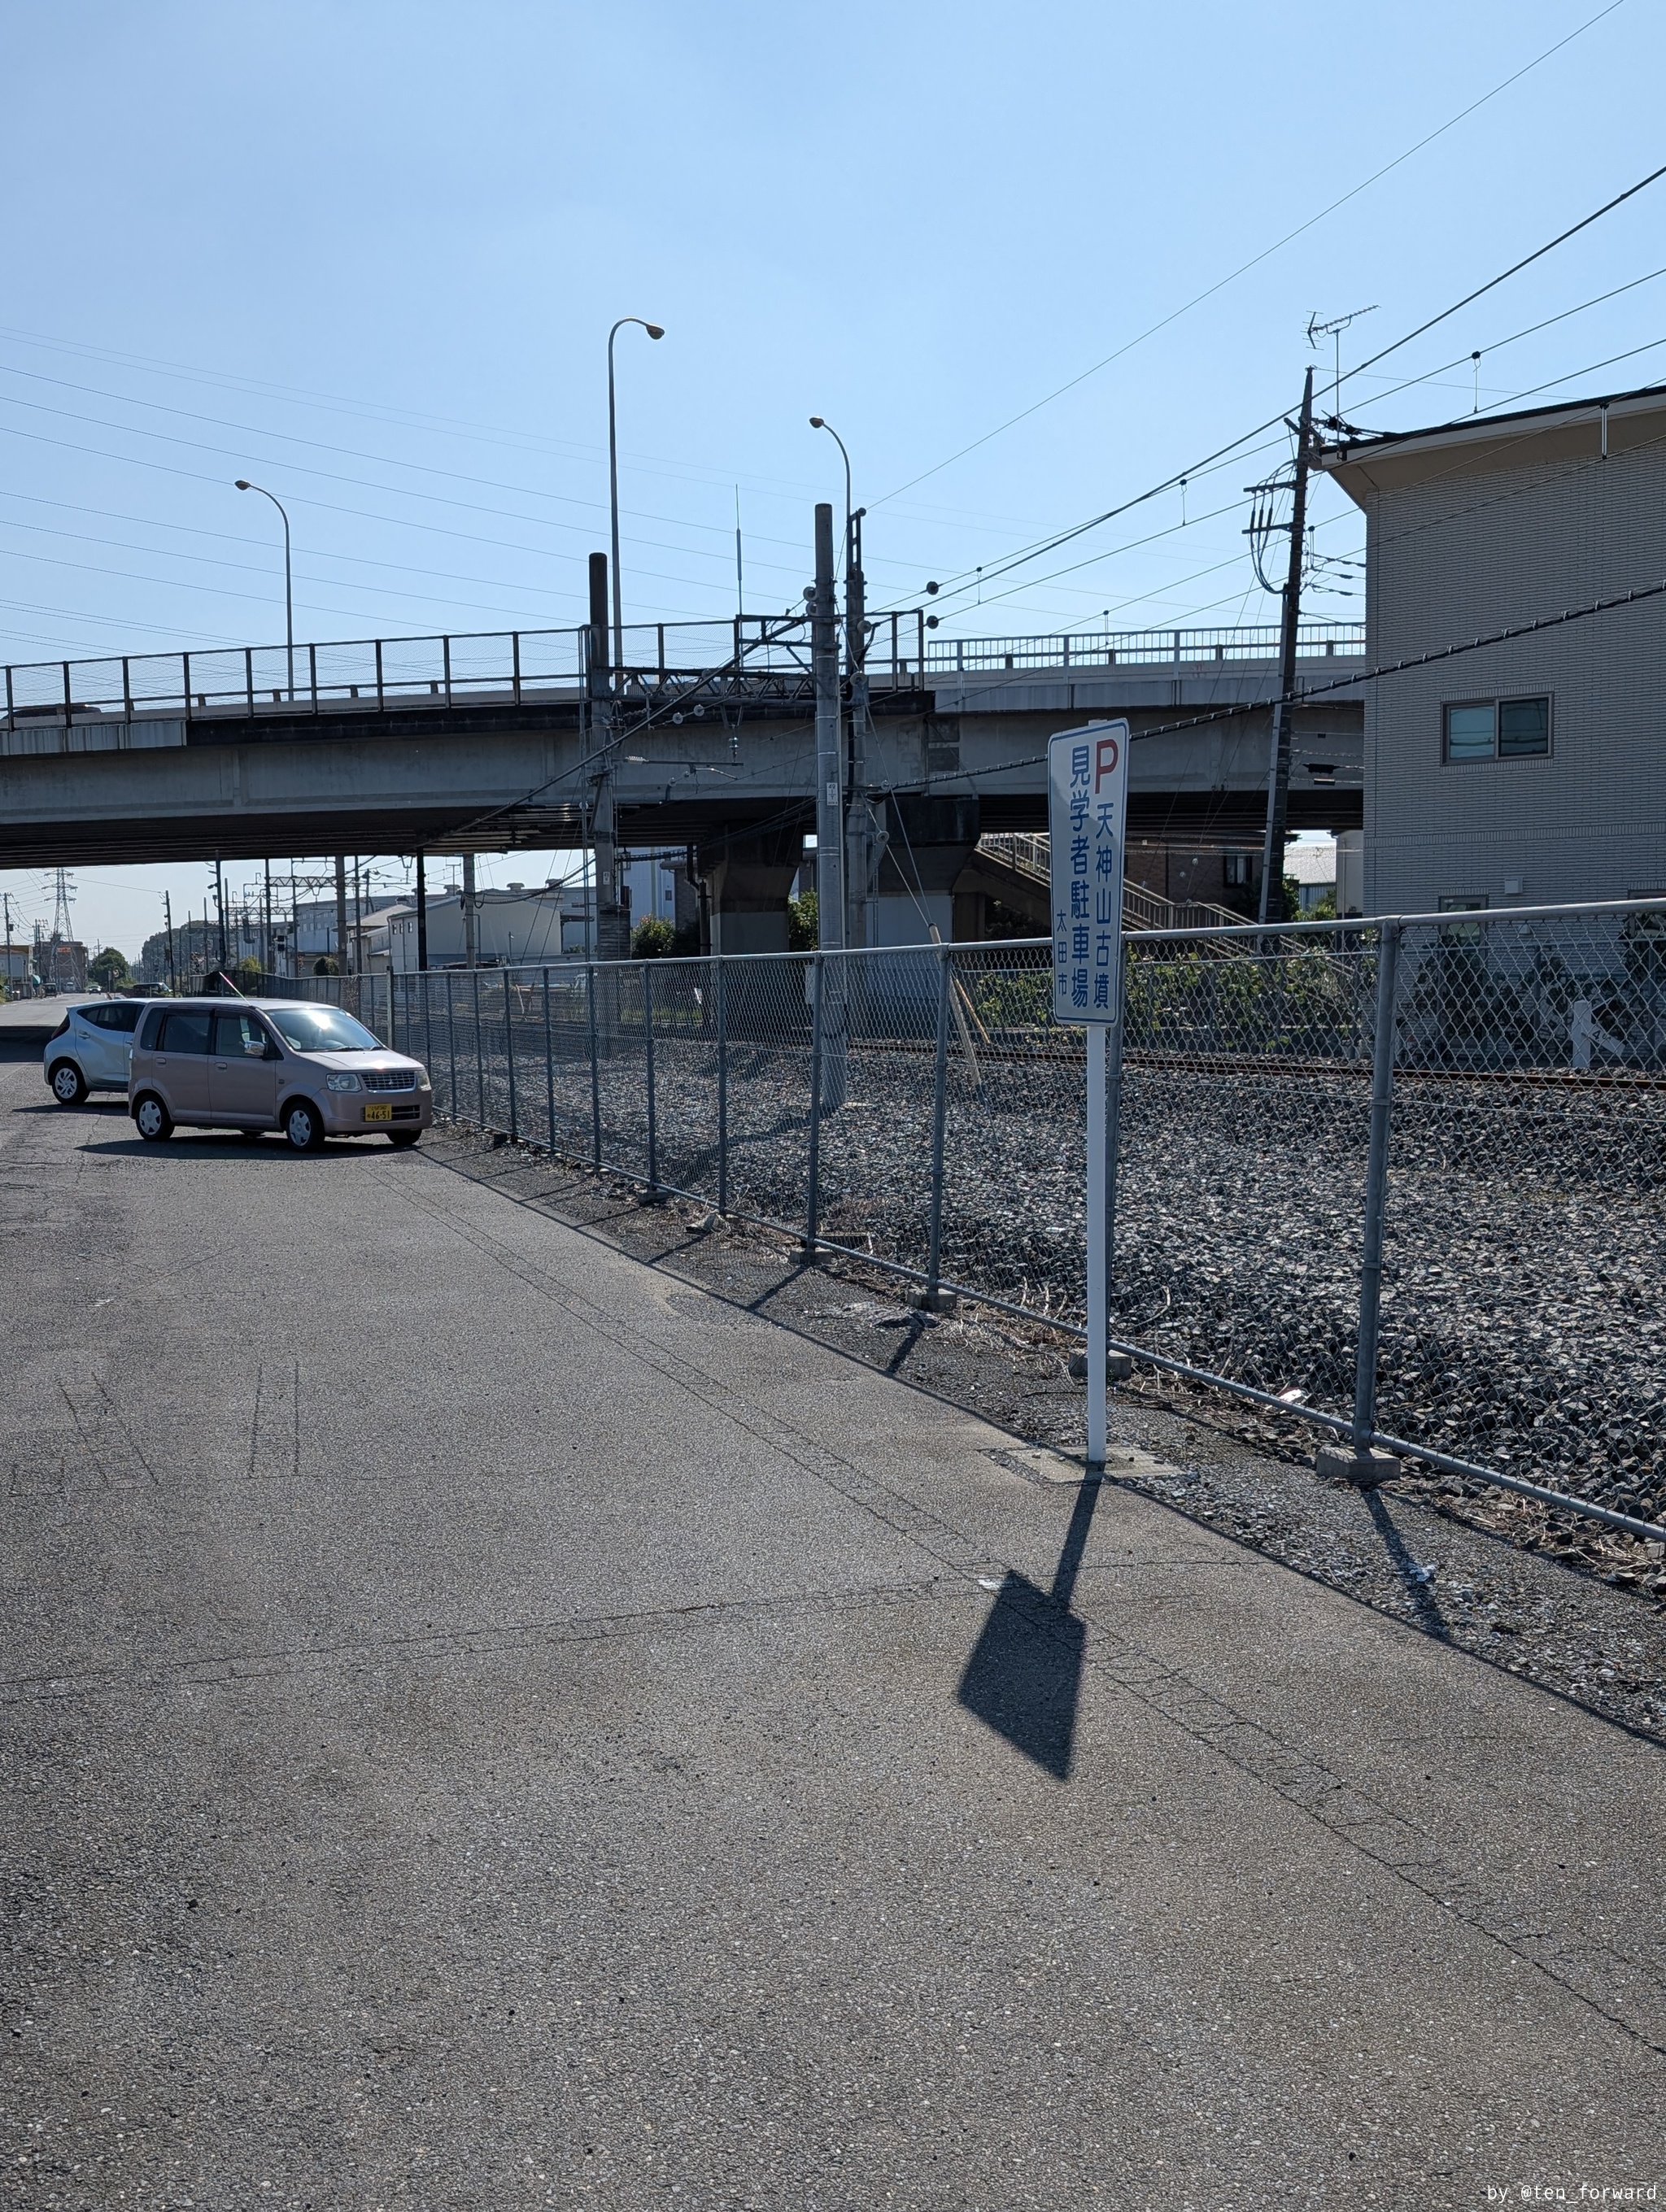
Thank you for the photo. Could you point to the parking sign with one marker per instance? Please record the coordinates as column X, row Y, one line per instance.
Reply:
column 1088, row 781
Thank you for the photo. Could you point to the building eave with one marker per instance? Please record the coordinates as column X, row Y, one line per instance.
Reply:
column 1611, row 422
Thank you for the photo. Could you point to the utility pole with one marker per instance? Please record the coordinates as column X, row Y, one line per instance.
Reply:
column 421, row 916
column 267, row 960
column 470, row 931
column 1283, row 715
column 341, row 914
column 830, row 763
column 220, row 907
column 829, row 814
column 611, row 939
column 859, row 820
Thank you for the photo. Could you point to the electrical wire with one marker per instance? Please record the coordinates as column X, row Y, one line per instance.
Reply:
column 1304, row 693
column 1243, row 269
column 1514, row 269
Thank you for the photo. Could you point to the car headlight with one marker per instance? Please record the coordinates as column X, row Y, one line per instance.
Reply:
column 342, row 1083
column 423, row 1083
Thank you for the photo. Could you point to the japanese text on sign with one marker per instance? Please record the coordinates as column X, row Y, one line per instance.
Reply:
column 1087, row 806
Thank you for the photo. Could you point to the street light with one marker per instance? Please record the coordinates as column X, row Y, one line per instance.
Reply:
column 243, row 484
column 655, row 331
column 817, row 423
column 855, row 595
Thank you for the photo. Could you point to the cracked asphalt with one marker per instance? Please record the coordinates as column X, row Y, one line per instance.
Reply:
column 491, row 1722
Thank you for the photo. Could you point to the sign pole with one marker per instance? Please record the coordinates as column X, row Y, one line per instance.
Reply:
column 1087, row 776
column 1098, row 1270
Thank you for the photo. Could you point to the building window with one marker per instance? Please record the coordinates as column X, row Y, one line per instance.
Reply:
column 1463, row 932
column 1496, row 729
column 1237, row 868
column 1524, row 728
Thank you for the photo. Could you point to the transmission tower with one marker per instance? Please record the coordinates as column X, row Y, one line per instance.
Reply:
column 64, row 892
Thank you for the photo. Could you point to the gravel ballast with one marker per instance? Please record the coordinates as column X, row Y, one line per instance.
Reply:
column 1524, row 1280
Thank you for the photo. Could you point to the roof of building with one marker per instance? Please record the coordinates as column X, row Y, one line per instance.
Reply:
column 1311, row 864
column 1612, row 422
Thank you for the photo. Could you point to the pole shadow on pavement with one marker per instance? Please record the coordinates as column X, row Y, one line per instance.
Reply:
column 1023, row 1679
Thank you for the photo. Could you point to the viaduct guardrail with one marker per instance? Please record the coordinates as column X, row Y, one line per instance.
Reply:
column 513, row 667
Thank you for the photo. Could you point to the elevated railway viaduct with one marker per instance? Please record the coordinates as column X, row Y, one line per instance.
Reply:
column 705, row 740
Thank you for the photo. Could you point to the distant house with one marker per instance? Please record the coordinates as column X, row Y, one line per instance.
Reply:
column 1532, row 772
column 1313, row 869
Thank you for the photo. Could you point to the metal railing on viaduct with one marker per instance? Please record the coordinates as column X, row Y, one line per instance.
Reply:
column 516, row 667
column 1400, row 1180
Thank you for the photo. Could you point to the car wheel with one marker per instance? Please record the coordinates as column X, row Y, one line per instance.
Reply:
column 154, row 1122
column 400, row 1138
column 68, row 1083
column 304, row 1126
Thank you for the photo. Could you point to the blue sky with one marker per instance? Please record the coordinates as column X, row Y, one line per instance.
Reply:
column 368, row 256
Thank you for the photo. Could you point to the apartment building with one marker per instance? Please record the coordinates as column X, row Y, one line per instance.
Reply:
column 1534, row 771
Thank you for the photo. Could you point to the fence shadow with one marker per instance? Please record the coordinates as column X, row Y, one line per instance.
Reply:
column 1023, row 1679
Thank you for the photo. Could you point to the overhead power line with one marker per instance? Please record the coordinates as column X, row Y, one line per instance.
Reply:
column 1302, row 694
column 1255, row 260
column 1514, row 269
column 1172, row 482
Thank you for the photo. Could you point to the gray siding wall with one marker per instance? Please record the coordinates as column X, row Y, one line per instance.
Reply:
column 1456, row 558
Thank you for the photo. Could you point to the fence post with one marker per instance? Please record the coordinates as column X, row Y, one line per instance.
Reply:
column 722, row 1085
column 479, row 1053
column 647, row 1033
column 509, row 1052
column 451, row 1026
column 812, row 1208
column 549, row 1064
column 595, row 1068
column 428, row 1025
column 940, row 1114
column 1377, row 1186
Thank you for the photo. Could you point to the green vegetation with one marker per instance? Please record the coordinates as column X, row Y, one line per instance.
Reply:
column 109, row 969
column 803, row 923
column 652, row 938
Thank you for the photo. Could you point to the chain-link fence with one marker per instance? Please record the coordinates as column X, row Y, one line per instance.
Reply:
column 1444, row 1137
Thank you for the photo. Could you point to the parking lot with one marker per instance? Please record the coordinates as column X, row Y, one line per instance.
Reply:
column 488, row 1724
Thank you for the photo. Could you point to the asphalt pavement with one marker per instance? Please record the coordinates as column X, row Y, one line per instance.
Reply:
column 486, row 1724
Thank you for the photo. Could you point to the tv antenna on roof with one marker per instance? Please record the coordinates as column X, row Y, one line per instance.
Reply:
column 1317, row 329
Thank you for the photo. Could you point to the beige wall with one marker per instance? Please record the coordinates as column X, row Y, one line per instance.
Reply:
column 1467, row 549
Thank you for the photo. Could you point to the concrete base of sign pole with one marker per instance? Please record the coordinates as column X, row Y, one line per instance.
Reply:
column 1119, row 1366
column 1363, row 1469
column 935, row 1301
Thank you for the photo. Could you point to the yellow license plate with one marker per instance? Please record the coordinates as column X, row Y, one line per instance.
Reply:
column 378, row 1113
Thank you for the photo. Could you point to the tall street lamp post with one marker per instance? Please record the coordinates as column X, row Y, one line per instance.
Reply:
column 243, row 484
column 655, row 331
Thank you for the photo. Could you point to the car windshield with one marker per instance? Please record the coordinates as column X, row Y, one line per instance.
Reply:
column 320, row 1029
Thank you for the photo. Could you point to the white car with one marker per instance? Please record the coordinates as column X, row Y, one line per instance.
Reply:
column 90, row 1048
